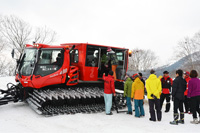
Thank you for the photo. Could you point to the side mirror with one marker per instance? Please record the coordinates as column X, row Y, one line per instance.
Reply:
column 13, row 53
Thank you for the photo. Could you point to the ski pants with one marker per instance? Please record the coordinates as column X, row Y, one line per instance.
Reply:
column 128, row 102
column 139, row 109
column 195, row 102
column 155, row 104
column 178, row 104
column 187, row 104
column 108, row 102
column 162, row 98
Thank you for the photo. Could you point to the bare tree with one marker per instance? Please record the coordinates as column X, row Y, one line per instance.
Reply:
column 187, row 49
column 15, row 31
column 44, row 35
column 149, row 60
column 2, row 43
column 11, row 68
column 142, row 60
column 196, row 39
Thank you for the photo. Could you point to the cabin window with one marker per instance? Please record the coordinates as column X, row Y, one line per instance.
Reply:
column 120, row 55
column 92, row 57
column 50, row 61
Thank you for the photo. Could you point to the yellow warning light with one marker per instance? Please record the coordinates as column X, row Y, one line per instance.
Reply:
column 130, row 53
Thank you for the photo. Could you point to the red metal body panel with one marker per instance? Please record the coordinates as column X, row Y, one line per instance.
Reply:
column 67, row 71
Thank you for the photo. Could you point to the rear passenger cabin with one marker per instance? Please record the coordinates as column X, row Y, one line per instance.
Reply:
column 91, row 58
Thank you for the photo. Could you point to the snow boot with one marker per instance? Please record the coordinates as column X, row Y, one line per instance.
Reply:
column 130, row 113
column 195, row 121
column 110, row 113
column 152, row 119
column 181, row 118
column 175, row 122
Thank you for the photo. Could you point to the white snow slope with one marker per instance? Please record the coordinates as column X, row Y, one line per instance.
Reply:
column 20, row 118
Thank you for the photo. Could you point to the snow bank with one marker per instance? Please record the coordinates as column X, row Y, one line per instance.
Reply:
column 19, row 117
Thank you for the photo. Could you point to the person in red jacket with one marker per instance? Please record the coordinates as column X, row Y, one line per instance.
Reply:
column 186, row 101
column 109, row 91
column 166, row 90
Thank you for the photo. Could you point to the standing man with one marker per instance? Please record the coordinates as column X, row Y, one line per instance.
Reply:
column 178, row 89
column 153, row 86
column 127, row 94
column 166, row 90
column 112, row 61
column 109, row 91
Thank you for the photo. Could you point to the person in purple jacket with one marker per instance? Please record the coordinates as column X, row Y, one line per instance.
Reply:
column 194, row 95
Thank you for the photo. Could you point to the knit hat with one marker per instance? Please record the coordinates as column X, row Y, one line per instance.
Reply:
column 165, row 72
column 135, row 75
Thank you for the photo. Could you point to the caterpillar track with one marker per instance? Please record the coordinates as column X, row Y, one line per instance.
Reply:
column 72, row 100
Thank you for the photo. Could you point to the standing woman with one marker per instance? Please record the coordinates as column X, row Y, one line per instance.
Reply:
column 194, row 95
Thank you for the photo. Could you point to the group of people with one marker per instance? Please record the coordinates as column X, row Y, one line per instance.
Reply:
column 183, row 90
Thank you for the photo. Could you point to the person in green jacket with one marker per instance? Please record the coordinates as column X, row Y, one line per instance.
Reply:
column 127, row 94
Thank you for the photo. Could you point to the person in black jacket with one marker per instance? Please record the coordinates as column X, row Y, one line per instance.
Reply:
column 166, row 90
column 143, row 81
column 141, row 78
column 178, row 89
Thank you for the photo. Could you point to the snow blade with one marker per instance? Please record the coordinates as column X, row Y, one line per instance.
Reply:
column 11, row 94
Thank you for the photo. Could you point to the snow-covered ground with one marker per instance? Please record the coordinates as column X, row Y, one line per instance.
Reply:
column 20, row 118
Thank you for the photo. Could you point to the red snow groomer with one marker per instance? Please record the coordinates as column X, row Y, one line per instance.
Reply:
column 65, row 79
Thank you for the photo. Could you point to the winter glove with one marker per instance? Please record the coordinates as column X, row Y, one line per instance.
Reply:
column 153, row 96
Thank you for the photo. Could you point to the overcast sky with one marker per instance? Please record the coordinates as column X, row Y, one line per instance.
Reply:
column 148, row 24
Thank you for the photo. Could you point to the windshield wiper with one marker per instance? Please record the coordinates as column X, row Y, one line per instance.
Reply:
column 20, row 64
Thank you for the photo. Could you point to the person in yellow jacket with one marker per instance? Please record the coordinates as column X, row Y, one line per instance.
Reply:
column 154, row 88
column 138, row 94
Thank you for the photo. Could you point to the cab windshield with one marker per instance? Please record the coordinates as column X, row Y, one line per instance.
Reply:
column 27, row 62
